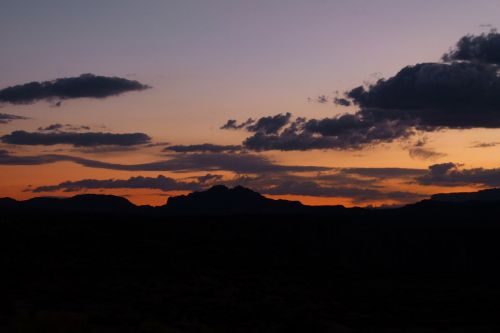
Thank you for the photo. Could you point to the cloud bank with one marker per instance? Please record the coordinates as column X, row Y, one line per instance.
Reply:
column 462, row 93
column 238, row 163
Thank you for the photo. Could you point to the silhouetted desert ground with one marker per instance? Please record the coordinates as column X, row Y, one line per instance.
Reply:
column 428, row 267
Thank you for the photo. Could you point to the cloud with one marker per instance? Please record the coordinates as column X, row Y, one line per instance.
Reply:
column 482, row 48
column 159, row 183
column 452, row 174
column 85, row 85
column 434, row 95
column 232, row 124
column 267, row 125
column 323, row 187
column 273, row 184
column 238, row 163
column 342, row 101
column 203, row 148
column 425, row 153
column 271, row 124
column 384, row 172
column 360, row 185
column 420, row 98
column 424, row 97
column 322, row 99
column 209, row 179
column 60, row 127
column 77, row 139
column 478, row 144
column 346, row 131
column 7, row 118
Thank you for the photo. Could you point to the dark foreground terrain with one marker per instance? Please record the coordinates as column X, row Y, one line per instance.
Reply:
column 232, row 261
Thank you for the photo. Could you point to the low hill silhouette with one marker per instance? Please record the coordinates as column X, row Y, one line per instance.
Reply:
column 83, row 203
column 483, row 195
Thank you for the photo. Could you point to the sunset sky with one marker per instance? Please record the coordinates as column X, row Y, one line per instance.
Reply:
column 323, row 101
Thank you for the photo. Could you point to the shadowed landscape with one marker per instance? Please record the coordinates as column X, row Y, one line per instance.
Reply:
column 227, row 260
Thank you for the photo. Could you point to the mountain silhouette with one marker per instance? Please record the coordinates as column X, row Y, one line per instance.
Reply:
column 221, row 199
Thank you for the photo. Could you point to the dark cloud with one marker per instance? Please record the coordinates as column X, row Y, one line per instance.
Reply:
column 346, row 131
column 271, row 124
column 203, row 148
column 159, row 183
column 384, row 172
column 232, row 124
column 358, row 184
column 322, row 187
column 85, row 85
column 287, row 140
column 482, row 48
column 420, row 98
column 484, row 144
column 425, row 153
column 61, row 127
column 266, row 125
column 238, row 163
column 424, row 97
column 77, row 139
column 209, row 179
column 7, row 118
column 322, row 99
column 271, row 185
column 312, row 188
column 342, row 101
column 106, row 149
column 452, row 174
column 434, row 95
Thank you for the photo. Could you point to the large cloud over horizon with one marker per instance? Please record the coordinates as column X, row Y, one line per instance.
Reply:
column 426, row 97
column 85, row 85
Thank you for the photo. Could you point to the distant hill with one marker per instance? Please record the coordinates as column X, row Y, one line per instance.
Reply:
column 84, row 203
column 483, row 195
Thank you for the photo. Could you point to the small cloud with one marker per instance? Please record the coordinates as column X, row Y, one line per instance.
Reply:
column 341, row 101
column 85, row 85
column 425, row 153
column 477, row 144
column 322, row 99
column 203, row 148
column 7, row 118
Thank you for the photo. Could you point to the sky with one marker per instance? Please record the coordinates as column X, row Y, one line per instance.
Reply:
column 147, row 99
